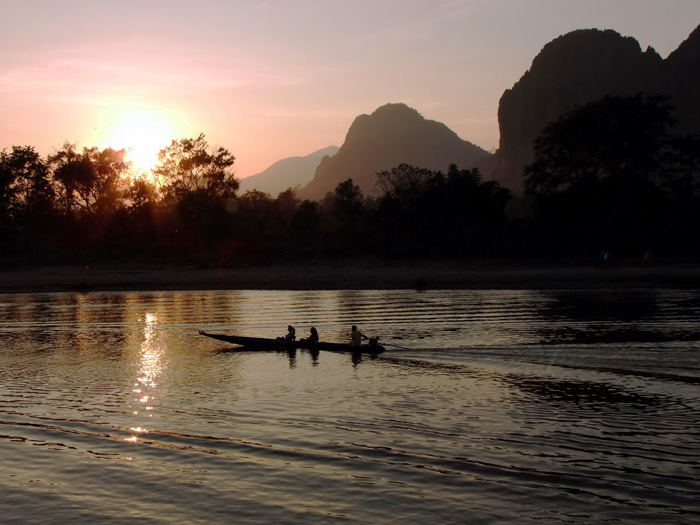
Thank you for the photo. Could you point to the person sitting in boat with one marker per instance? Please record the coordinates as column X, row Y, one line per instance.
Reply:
column 291, row 335
column 313, row 336
column 356, row 336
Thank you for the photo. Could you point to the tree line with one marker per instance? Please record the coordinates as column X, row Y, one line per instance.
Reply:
column 606, row 176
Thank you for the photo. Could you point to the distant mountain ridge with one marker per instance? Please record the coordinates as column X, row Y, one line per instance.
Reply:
column 391, row 135
column 287, row 173
column 584, row 66
column 572, row 70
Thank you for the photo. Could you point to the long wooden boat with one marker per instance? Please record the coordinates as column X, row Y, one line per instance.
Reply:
column 261, row 343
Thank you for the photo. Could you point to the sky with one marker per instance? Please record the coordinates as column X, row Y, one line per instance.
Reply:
column 274, row 79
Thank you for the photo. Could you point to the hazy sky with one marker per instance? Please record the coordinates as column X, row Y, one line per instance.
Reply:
column 280, row 78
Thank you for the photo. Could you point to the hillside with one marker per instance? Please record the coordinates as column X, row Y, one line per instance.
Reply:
column 581, row 67
column 287, row 173
column 391, row 135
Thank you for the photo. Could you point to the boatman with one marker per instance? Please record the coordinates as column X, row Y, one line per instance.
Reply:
column 356, row 336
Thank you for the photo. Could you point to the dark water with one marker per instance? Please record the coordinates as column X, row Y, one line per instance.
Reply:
column 491, row 407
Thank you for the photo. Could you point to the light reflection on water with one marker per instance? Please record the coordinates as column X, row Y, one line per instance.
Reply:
column 490, row 406
column 152, row 361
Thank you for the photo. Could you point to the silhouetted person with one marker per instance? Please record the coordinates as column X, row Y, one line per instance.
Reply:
column 313, row 336
column 356, row 337
column 291, row 335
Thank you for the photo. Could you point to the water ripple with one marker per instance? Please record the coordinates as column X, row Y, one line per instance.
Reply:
column 499, row 406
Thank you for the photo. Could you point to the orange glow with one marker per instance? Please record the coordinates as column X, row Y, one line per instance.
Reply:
column 142, row 132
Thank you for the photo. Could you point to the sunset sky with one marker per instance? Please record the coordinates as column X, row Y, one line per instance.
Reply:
column 280, row 78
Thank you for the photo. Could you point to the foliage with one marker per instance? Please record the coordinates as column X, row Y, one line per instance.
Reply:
column 199, row 189
column 423, row 213
column 26, row 195
column 189, row 166
column 613, row 137
column 682, row 176
column 345, row 227
column 601, row 177
column 405, row 183
column 92, row 181
column 605, row 176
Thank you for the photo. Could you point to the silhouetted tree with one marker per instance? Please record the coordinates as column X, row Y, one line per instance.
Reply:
column 424, row 213
column 683, row 167
column 141, row 216
column 306, row 229
column 26, row 195
column 613, row 137
column 141, row 193
column 597, row 173
column 347, row 199
column 190, row 166
column 254, row 211
column 199, row 187
column 90, row 182
column 286, row 205
column 90, row 187
column 346, row 219
column 405, row 183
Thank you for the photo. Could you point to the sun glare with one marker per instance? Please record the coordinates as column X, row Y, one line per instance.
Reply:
column 142, row 133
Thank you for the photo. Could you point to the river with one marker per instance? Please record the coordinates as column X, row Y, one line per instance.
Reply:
column 491, row 406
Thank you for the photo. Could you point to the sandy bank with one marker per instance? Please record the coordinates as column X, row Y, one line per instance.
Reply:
column 352, row 276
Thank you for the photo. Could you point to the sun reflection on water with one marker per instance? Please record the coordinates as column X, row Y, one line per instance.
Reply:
column 151, row 364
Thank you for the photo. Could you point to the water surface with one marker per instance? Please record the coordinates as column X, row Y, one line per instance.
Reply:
column 490, row 406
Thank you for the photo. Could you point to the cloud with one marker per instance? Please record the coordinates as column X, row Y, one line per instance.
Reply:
column 135, row 71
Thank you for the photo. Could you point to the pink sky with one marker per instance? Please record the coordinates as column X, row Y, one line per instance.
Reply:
column 274, row 79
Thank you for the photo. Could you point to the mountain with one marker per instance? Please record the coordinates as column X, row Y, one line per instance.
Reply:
column 584, row 66
column 570, row 71
column 392, row 135
column 286, row 173
column 683, row 82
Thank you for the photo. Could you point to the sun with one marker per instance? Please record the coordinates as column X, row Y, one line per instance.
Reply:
column 142, row 132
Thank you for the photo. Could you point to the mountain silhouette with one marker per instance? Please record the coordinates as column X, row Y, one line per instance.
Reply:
column 682, row 77
column 582, row 67
column 572, row 70
column 392, row 135
column 287, row 173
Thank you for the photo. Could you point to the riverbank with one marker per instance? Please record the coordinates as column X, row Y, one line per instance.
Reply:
column 353, row 275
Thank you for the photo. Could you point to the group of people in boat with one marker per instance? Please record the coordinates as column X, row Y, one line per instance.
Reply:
column 356, row 336
column 291, row 335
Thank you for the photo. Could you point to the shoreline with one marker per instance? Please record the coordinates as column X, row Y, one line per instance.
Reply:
column 351, row 275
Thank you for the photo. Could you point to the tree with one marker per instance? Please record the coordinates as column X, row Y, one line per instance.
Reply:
column 345, row 216
column 26, row 195
column 199, row 188
column 613, row 137
column 305, row 228
column 424, row 213
column 91, row 182
column 405, row 183
column 254, row 212
column 683, row 172
column 286, row 205
column 597, row 174
column 190, row 166
column 141, row 194
column 347, row 199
